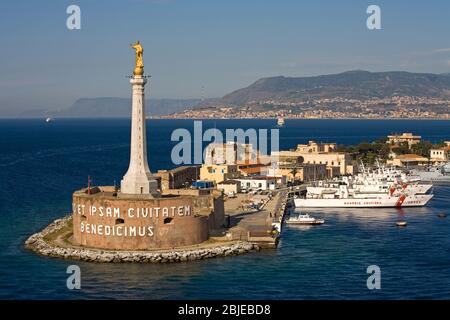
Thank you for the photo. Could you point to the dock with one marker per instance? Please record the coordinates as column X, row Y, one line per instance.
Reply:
column 262, row 225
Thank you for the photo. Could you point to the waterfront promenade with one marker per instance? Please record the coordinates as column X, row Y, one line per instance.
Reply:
column 255, row 225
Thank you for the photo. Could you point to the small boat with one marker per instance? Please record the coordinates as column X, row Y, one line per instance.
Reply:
column 442, row 215
column 401, row 223
column 304, row 219
column 48, row 120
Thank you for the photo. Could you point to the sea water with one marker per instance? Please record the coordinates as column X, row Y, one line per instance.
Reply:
column 41, row 164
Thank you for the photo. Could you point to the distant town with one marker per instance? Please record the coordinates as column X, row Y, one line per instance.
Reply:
column 396, row 107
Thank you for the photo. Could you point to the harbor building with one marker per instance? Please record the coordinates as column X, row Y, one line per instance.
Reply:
column 230, row 152
column 337, row 163
column 439, row 156
column 302, row 172
column 406, row 137
column 258, row 183
column 248, row 168
column 219, row 172
column 229, row 187
column 180, row 177
column 314, row 147
column 140, row 215
column 408, row 160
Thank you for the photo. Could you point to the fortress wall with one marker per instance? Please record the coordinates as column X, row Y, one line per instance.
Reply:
column 108, row 222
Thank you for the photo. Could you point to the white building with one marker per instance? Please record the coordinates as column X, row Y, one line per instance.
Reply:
column 258, row 183
column 439, row 156
column 229, row 186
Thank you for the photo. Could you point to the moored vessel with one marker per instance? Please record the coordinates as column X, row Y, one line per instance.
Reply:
column 304, row 219
column 435, row 174
column 345, row 199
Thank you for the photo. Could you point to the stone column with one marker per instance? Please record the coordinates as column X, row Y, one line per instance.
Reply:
column 138, row 180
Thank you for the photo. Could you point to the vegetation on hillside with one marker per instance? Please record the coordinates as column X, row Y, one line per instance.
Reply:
column 369, row 152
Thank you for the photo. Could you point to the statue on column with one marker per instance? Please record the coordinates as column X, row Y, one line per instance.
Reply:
column 139, row 66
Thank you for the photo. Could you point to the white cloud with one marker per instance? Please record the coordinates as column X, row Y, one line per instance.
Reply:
column 441, row 50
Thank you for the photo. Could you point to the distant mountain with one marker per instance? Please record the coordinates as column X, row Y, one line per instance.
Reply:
column 351, row 84
column 115, row 107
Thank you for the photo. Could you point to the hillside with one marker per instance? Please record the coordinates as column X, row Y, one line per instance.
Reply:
column 351, row 85
column 115, row 107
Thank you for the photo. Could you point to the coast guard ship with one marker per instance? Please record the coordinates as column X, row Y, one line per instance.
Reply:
column 367, row 190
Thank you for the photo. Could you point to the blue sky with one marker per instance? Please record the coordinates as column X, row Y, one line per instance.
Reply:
column 221, row 45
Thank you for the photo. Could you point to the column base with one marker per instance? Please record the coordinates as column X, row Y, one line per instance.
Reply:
column 139, row 187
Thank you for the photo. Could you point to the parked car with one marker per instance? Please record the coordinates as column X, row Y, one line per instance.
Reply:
column 231, row 194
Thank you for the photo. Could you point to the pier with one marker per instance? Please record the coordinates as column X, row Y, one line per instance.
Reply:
column 261, row 225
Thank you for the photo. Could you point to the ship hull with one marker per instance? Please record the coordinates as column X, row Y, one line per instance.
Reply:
column 409, row 189
column 388, row 202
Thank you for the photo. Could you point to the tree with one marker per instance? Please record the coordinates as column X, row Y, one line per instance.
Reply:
column 294, row 172
column 401, row 148
column 422, row 148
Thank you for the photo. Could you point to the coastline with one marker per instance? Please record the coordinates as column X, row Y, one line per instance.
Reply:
column 218, row 118
column 274, row 118
column 42, row 243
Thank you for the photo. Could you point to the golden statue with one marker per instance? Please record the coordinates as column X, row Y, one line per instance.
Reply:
column 139, row 67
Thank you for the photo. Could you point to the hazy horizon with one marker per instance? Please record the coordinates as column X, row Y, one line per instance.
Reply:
column 205, row 49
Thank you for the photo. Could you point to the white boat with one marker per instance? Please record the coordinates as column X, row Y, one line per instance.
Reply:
column 370, row 185
column 382, row 187
column 374, row 202
column 49, row 120
column 304, row 219
column 280, row 122
column 345, row 199
column 409, row 189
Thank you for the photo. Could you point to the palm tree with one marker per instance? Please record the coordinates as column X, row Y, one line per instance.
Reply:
column 294, row 172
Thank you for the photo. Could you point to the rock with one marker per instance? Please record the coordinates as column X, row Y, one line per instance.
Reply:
column 37, row 243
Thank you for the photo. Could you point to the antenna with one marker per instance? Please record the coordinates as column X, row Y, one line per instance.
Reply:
column 89, row 185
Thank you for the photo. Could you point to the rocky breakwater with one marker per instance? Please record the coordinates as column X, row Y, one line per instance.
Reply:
column 38, row 243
